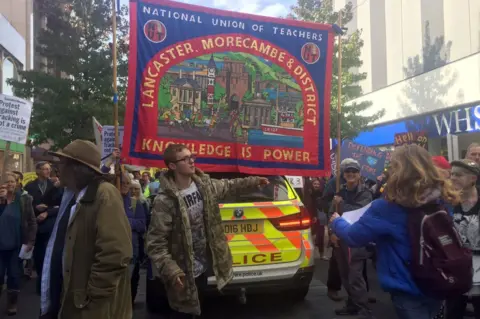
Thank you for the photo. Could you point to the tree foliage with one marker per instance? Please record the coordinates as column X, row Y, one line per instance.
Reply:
column 164, row 96
column 426, row 92
column 353, row 120
column 78, row 83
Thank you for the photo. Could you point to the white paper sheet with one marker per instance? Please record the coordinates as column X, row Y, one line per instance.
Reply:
column 354, row 215
column 24, row 254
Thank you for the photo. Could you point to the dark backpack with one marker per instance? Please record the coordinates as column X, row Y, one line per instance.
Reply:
column 440, row 265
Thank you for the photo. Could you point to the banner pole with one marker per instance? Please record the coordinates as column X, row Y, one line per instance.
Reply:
column 6, row 158
column 339, row 104
column 115, row 92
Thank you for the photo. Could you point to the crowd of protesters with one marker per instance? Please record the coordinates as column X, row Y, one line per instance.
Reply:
column 89, row 239
column 415, row 184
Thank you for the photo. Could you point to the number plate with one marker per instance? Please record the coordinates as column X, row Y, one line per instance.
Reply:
column 241, row 227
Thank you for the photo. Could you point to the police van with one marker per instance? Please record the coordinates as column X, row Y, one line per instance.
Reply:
column 269, row 234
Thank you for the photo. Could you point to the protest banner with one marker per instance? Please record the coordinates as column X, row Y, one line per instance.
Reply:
column 419, row 138
column 108, row 139
column 371, row 160
column 97, row 132
column 245, row 93
column 14, row 118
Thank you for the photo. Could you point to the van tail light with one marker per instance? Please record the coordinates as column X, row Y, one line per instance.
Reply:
column 300, row 221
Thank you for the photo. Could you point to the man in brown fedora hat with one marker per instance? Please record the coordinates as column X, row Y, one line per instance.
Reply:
column 86, row 271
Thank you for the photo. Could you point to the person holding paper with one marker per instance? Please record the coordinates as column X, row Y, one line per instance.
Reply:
column 45, row 207
column 353, row 195
column 18, row 227
column 413, row 182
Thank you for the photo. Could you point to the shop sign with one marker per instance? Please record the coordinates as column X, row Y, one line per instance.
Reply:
column 457, row 121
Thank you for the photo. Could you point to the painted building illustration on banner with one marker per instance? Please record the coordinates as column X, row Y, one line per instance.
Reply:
column 232, row 97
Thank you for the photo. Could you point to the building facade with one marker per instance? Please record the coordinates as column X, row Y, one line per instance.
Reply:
column 422, row 57
column 16, row 54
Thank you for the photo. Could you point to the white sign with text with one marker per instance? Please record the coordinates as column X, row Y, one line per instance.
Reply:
column 108, row 139
column 295, row 181
column 14, row 118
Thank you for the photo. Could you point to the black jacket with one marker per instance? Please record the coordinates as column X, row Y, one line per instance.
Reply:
column 362, row 197
column 52, row 198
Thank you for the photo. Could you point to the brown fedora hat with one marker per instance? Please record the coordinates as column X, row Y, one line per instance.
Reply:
column 84, row 152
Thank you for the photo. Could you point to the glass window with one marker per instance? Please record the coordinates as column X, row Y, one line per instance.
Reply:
column 8, row 72
column 277, row 190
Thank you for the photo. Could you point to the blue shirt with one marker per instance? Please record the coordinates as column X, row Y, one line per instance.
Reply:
column 385, row 224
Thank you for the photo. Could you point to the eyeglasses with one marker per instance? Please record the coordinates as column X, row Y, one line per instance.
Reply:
column 187, row 159
column 353, row 171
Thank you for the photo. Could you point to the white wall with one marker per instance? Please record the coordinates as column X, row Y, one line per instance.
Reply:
column 464, row 78
column 11, row 40
column 404, row 20
column 394, row 40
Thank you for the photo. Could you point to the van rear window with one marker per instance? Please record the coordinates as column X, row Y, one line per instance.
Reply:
column 277, row 190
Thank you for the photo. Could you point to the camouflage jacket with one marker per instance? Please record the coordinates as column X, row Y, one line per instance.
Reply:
column 169, row 239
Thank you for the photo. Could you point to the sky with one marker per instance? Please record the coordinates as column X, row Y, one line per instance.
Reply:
column 272, row 8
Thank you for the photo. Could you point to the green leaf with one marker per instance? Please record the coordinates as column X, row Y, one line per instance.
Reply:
column 79, row 81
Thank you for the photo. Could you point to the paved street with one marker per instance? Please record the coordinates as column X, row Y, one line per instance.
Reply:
column 317, row 305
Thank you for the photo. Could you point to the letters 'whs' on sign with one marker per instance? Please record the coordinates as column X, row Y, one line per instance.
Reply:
column 245, row 93
column 14, row 118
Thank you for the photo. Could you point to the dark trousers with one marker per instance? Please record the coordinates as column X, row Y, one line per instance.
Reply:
column 334, row 282
column 351, row 265
column 41, row 243
column 320, row 238
column 455, row 307
column 201, row 283
column 416, row 307
column 10, row 266
column 134, row 280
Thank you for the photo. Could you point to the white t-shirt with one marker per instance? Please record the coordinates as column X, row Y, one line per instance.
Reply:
column 194, row 202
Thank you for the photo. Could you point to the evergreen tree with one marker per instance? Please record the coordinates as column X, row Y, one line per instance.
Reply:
column 353, row 121
column 75, row 83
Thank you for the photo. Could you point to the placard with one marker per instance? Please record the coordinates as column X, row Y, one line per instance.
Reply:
column 108, row 139
column 14, row 118
column 419, row 138
column 295, row 181
column 371, row 159
column 245, row 93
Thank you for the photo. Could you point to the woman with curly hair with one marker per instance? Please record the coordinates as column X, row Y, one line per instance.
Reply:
column 413, row 182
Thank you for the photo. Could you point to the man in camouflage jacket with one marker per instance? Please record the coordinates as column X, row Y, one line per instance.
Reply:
column 186, row 239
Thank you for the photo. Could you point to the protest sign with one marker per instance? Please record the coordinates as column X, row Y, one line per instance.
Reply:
column 372, row 160
column 14, row 118
column 245, row 93
column 97, row 132
column 108, row 139
column 295, row 181
column 419, row 138
column 333, row 161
